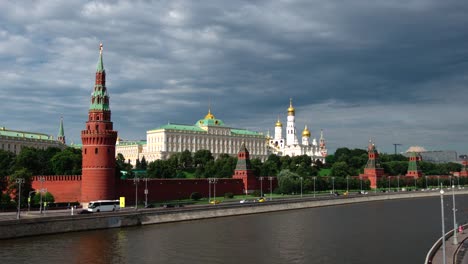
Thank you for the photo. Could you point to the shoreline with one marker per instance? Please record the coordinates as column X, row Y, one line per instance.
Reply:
column 10, row 229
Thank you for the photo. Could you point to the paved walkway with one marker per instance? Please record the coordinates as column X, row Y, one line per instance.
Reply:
column 453, row 253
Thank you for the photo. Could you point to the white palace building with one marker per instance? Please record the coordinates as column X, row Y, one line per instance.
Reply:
column 208, row 133
column 212, row 134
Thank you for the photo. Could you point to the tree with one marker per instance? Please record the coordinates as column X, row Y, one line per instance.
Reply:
column 67, row 162
column 340, row 169
column 185, row 159
column 144, row 163
column 288, row 182
column 122, row 166
column 24, row 174
column 202, row 157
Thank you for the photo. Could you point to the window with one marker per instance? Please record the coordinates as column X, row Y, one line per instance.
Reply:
column 96, row 151
column 85, row 151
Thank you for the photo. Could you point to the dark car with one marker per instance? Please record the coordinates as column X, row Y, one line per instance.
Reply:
column 168, row 205
column 85, row 212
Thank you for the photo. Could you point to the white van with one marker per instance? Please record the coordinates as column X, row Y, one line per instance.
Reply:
column 104, row 206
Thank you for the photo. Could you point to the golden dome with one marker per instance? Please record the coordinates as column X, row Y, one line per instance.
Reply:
column 278, row 123
column 306, row 132
column 291, row 109
column 209, row 115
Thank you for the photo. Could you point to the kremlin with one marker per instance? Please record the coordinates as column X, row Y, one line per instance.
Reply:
column 101, row 145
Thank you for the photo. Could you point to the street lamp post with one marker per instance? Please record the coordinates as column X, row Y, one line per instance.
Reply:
column 301, row 186
column 443, row 224
column 388, row 183
column 438, row 182
column 458, row 180
column 136, row 180
column 209, row 190
column 261, row 186
column 314, row 184
column 41, row 179
column 146, row 192
column 347, row 184
column 29, row 200
column 455, row 240
column 415, row 187
column 398, row 182
column 360, row 179
column 19, row 181
column 333, row 185
column 271, row 190
column 425, row 178
column 213, row 181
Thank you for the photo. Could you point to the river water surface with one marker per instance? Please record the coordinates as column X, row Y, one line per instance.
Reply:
column 398, row 231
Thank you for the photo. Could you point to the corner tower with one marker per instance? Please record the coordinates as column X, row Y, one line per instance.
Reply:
column 98, row 177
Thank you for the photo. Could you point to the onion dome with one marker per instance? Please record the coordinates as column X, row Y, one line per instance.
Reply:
column 291, row 109
column 306, row 132
column 209, row 115
column 278, row 123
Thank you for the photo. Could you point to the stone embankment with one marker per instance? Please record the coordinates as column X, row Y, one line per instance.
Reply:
column 60, row 224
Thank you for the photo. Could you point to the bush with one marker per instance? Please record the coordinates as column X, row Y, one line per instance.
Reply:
column 229, row 195
column 195, row 196
column 256, row 193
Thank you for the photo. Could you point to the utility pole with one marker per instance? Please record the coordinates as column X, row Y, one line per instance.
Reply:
column 396, row 144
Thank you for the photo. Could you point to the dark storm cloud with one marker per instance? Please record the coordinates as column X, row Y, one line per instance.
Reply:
column 391, row 70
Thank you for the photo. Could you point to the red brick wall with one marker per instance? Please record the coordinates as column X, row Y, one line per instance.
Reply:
column 172, row 189
column 64, row 188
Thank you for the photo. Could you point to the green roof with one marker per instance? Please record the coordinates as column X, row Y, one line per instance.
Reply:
column 61, row 133
column 22, row 134
column 180, row 127
column 245, row 132
column 100, row 64
column 129, row 143
column 209, row 122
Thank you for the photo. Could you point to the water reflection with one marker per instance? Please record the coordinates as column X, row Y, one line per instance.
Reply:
column 398, row 231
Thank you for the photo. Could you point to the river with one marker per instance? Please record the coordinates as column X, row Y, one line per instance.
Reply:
column 397, row 231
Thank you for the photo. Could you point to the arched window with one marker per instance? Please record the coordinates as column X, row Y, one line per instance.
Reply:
column 96, row 151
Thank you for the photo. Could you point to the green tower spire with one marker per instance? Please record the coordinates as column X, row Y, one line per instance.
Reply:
column 100, row 97
column 100, row 64
column 61, row 133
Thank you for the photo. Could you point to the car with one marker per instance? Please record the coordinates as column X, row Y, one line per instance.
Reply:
column 336, row 194
column 84, row 211
column 149, row 206
column 242, row 201
column 345, row 193
column 215, row 202
column 261, row 200
column 168, row 205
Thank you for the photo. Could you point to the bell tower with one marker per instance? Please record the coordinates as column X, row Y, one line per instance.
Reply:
column 98, row 138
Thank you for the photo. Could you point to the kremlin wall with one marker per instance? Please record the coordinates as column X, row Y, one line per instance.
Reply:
column 98, row 180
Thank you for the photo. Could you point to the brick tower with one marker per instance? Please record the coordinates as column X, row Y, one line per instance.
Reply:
column 413, row 168
column 373, row 171
column 98, row 176
column 244, row 170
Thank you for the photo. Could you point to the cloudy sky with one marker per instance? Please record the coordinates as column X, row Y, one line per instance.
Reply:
column 396, row 71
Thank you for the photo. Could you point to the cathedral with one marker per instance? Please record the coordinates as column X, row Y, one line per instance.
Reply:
column 290, row 146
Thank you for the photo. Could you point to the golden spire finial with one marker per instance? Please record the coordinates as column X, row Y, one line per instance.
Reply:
column 291, row 108
column 278, row 122
column 306, row 132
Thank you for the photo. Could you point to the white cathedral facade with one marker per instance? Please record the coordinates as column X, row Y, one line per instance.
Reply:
column 290, row 146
